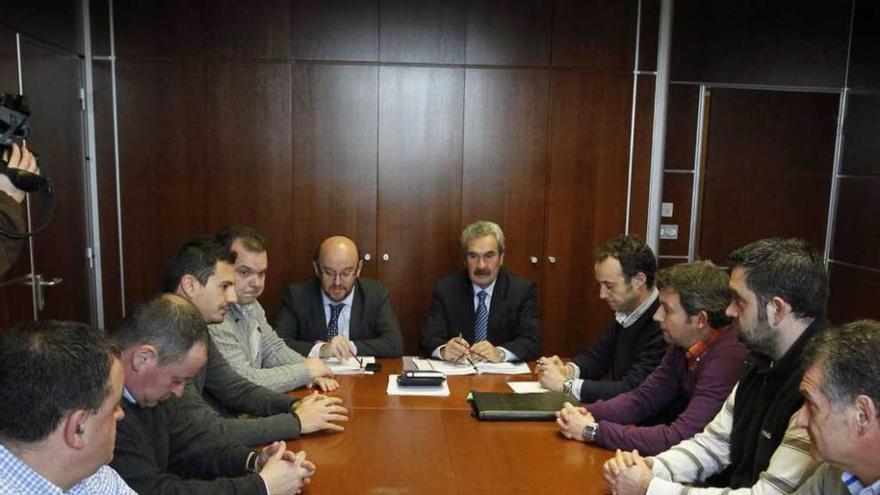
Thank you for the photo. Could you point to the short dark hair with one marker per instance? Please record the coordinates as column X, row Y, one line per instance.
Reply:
column 168, row 322
column 252, row 240
column 785, row 268
column 701, row 286
column 197, row 257
column 48, row 369
column 848, row 357
column 633, row 254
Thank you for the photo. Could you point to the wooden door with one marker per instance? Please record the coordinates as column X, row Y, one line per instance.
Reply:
column 420, row 146
column 769, row 159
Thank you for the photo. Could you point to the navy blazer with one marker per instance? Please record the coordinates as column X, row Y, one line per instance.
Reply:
column 372, row 327
column 513, row 314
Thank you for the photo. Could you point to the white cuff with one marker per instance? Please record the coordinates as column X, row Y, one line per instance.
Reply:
column 316, row 349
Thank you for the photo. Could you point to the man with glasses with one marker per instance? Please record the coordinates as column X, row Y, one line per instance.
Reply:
column 337, row 314
column 483, row 312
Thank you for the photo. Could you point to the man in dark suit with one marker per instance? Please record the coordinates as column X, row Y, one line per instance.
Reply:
column 483, row 312
column 337, row 314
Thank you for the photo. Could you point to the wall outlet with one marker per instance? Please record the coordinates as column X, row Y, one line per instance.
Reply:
column 669, row 231
column 665, row 210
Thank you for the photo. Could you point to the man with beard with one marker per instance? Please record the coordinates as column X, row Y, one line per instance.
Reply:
column 753, row 445
column 841, row 411
column 633, row 345
column 202, row 272
column 697, row 372
column 483, row 313
column 337, row 313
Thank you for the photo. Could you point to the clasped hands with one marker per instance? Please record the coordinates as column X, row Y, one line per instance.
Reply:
column 628, row 473
column 284, row 471
column 458, row 349
column 552, row 373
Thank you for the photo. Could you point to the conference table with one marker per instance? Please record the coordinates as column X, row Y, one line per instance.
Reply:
column 432, row 445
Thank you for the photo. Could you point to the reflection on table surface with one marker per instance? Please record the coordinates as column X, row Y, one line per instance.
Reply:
column 428, row 445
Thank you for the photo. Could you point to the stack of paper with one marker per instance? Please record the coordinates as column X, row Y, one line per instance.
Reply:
column 464, row 368
column 433, row 391
column 527, row 387
column 349, row 366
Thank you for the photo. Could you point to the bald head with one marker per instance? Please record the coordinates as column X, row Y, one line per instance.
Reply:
column 337, row 265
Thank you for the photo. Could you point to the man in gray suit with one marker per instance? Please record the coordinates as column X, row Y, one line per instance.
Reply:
column 201, row 271
column 337, row 314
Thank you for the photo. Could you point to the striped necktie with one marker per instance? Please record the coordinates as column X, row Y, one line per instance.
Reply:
column 482, row 324
column 333, row 326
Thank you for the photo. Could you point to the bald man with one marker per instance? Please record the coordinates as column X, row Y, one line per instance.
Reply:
column 338, row 314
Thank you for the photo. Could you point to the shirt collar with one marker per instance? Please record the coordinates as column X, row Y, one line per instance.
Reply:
column 347, row 301
column 128, row 396
column 488, row 290
column 626, row 320
column 856, row 487
column 696, row 352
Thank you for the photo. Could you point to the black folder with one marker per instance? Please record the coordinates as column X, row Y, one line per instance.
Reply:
column 494, row 406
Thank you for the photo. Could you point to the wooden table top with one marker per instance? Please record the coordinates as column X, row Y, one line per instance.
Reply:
column 432, row 445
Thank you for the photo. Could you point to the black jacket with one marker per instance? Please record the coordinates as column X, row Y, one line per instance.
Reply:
column 513, row 314
column 767, row 396
column 629, row 355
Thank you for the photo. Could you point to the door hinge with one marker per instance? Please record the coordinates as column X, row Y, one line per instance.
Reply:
column 82, row 99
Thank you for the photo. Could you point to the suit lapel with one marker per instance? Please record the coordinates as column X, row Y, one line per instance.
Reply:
column 496, row 309
column 316, row 314
column 357, row 312
column 466, row 309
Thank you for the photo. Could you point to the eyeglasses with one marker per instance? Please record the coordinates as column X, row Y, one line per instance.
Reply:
column 346, row 274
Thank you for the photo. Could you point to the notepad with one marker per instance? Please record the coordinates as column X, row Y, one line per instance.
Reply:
column 348, row 366
column 432, row 391
column 527, row 387
column 450, row 368
column 493, row 406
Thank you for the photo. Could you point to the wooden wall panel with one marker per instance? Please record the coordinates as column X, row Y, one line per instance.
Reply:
column 235, row 29
column 861, row 148
column 595, row 34
column 335, row 30
column 857, row 232
column 105, row 162
column 429, row 31
column 681, row 126
column 505, row 158
column 164, row 177
column 649, row 35
column 768, row 168
column 589, row 149
column 420, row 173
column 51, row 79
column 335, row 146
column 677, row 190
column 248, row 133
column 853, row 294
column 55, row 22
column 160, row 28
column 752, row 41
column 509, row 32
column 864, row 71
column 641, row 173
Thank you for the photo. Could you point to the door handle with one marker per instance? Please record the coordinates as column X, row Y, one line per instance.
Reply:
column 367, row 257
column 533, row 260
column 551, row 259
column 41, row 283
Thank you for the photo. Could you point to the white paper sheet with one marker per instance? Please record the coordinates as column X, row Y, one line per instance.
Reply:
column 394, row 389
column 348, row 366
column 527, row 387
column 451, row 368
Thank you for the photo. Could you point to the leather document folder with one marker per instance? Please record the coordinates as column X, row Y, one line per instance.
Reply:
column 494, row 406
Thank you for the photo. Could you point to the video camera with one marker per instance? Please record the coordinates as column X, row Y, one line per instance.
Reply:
column 14, row 114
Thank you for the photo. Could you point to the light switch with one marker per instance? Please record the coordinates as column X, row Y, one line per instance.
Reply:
column 669, row 231
column 665, row 210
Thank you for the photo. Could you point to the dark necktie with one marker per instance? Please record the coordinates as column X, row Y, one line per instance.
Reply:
column 333, row 326
column 482, row 323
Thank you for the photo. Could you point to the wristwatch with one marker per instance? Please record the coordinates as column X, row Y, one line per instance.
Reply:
column 567, row 384
column 590, row 432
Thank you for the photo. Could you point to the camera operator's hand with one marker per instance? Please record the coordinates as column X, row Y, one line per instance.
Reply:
column 20, row 158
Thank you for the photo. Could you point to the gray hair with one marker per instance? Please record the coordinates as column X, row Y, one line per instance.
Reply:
column 482, row 228
column 848, row 357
